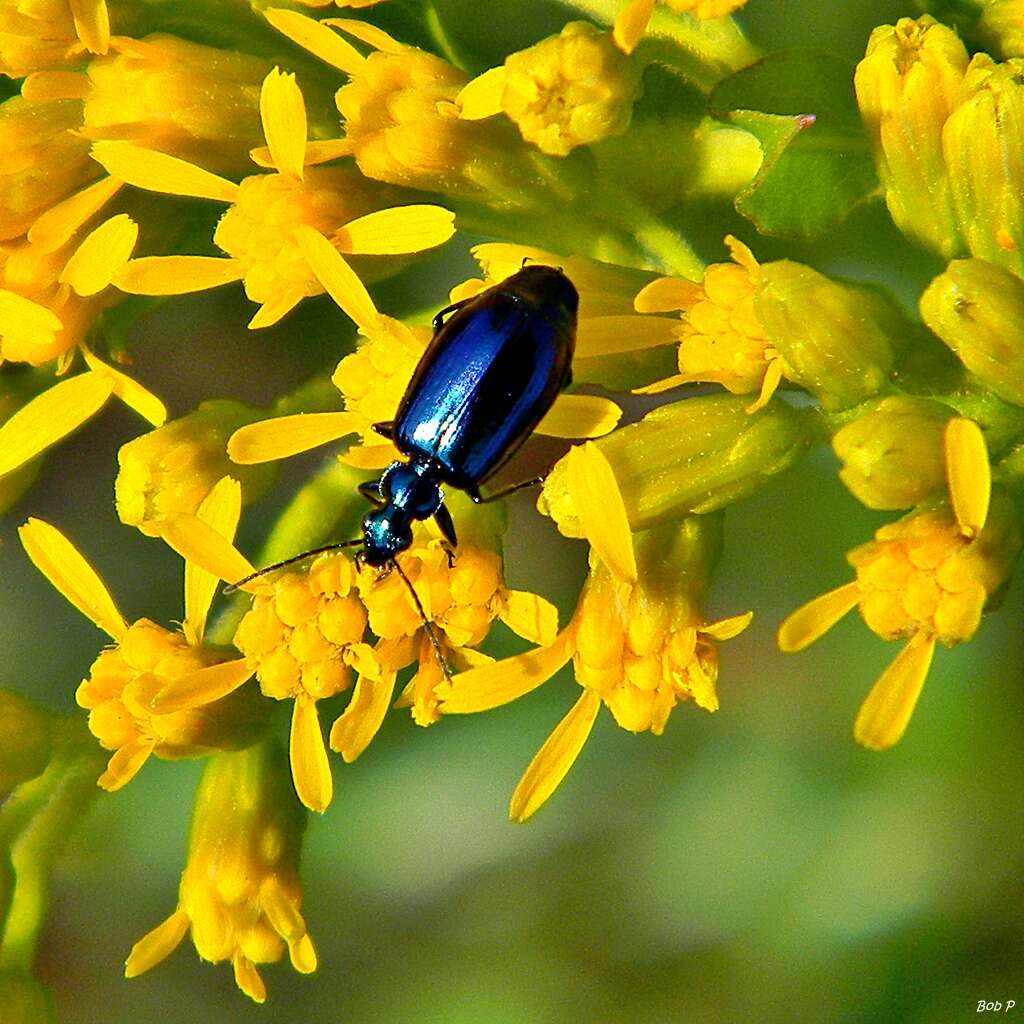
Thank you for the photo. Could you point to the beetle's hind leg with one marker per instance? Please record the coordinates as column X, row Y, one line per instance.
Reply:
column 481, row 499
column 438, row 322
column 443, row 518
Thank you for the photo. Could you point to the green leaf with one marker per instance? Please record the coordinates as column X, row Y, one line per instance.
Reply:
column 817, row 165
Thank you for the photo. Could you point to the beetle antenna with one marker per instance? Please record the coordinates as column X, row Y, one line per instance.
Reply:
column 232, row 587
column 427, row 624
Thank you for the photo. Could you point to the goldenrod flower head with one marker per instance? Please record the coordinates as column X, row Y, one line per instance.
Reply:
column 692, row 456
column 632, row 20
column 640, row 647
column 156, row 691
column 302, row 640
column 925, row 578
column 721, row 338
column 393, row 111
column 985, row 160
column 170, row 470
column 892, row 455
column 40, row 34
column 46, row 160
column 907, row 85
column 1001, row 27
column 195, row 102
column 977, row 309
column 240, row 892
column 835, row 340
column 284, row 231
column 25, row 741
column 570, row 90
column 118, row 691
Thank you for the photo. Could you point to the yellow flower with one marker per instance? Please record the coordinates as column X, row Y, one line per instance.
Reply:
column 170, row 470
column 632, row 21
column 283, row 232
column 240, row 892
column 302, row 640
column 38, row 34
column 637, row 640
column 1001, row 27
column 569, row 90
column 907, row 85
column 925, row 578
column 195, row 102
column 148, row 662
column 721, row 338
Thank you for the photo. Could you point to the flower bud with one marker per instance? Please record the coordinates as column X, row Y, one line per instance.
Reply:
column 687, row 457
column 570, row 90
column 977, row 309
column 170, row 470
column 907, row 86
column 833, row 338
column 892, row 455
column 985, row 160
column 1001, row 27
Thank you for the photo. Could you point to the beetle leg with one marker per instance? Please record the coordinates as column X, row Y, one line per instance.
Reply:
column 370, row 490
column 443, row 518
column 438, row 322
column 386, row 429
column 504, row 492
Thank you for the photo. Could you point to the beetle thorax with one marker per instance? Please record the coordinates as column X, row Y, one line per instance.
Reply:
column 410, row 491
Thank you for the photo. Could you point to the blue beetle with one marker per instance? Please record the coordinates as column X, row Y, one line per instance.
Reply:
column 492, row 370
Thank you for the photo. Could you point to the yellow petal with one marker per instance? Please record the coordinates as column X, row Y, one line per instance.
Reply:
column 156, row 945
column 321, row 152
column 317, row 38
column 22, row 318
column 282, row 914
column 176, row 275
column 103, row 251
column 401, row 229
column 598, row 502
column 302, row 955
column 631, row 24
column 46, row 86
column 247, row 978
column 283, row 436
column 580, row 416
column 92, row 24
column 220, row 509
column 198, row 542
column 530, row 616
column 611, row 335
column 337, row 277
column 130, row 391
column 125, row 765
column 367, row 33
column 817, row 617
column 884, row 716
column 968, row 474
column 50, row 417
column 311, row 771
column 55, row 227
column 370, row 456
column 202, row 687
column 277, row 308
column 158, row 172
column 726, row 629
column 769, row 385
column 62, row 564
column 482, row 97
column 283, row 114
column 667, row 294
column 555, row 758
column 358, row 724
column 490, row 686
column 666, row 384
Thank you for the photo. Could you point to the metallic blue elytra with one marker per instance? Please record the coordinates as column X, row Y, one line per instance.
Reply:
column 490, row 373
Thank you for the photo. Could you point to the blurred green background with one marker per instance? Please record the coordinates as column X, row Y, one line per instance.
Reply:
column 751, row 865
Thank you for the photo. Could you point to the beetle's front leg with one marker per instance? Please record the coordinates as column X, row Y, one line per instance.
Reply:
column 438, row 322
column 370, row 490
column 443, row 518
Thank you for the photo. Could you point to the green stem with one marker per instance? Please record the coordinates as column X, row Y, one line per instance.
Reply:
column 703, row 52
column 34, row 825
